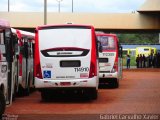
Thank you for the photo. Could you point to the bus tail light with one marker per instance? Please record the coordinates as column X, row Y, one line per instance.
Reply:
column 93, row 62
column 92, row 70
column 20, row 64
column 37, row 66
column 38, row 71
column 20, row 70
column 115, row 68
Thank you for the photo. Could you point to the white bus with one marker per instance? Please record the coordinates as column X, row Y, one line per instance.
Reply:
column 110, row 59
column 66, row 58
column 25, row 61
column 7, row 65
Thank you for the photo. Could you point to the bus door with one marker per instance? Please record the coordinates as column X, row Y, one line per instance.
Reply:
column 24, row 51
column 6, row 58
column 9, row 58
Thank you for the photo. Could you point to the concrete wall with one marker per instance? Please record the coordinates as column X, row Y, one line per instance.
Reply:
column 100, row 21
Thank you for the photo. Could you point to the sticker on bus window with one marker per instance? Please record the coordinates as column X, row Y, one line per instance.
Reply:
column 47, row 74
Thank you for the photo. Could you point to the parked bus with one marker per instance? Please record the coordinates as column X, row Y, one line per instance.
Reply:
column 25, row 61
column 66, row 57
column 129, row 51
column 110, row 59
column 7, row 65
column 146, row 50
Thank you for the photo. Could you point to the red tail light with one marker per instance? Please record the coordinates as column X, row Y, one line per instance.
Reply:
column 115, row 67
column 20, row 70
column 92, row 70
column 93, row 65
column 20, row 64
column 38, row 72
column 37, row 66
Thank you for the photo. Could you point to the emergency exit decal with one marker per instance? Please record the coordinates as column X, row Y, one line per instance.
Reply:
column 47, row 74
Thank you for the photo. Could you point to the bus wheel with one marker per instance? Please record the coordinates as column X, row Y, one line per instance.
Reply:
column 2, row 104
column 114, row 83
column 27, row 90
column 45, row 96
column 14, row 93
column 15, row 89
column 92, row 93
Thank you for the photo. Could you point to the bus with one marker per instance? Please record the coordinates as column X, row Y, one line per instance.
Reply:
column 66, row 58
column 110, row 59
column 146, row 50
column 25, row 61
column 129, row 51
column 7, row 65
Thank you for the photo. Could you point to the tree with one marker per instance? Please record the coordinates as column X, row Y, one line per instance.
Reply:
column 139, row 38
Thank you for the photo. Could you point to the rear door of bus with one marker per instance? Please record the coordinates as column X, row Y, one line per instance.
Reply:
column 65, row 52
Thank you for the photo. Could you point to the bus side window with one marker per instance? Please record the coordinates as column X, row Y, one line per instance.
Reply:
column 99, row 45
column 9, row 45
column 25, row 50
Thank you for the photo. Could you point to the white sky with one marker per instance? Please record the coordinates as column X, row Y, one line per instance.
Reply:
column 95, row 6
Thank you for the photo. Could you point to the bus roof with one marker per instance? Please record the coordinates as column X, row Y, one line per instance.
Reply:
column 64, row 25
column 22, row 33
column 105, row 34
column 4, row 23
column 143, row 47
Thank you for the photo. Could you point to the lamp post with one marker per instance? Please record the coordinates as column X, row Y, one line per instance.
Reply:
column 159, row 38
column 8, row 5
column 59, row 5
column 45, row 12
column 72, row 6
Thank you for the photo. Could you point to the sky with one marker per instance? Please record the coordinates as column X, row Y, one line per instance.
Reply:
column 79, row 6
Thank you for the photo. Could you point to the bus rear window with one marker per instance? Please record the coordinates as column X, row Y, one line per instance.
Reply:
column 146, row 49
column 107, row 42
column 71, row 63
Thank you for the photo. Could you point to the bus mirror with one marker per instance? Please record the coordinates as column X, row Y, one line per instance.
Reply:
column 120, row 51
column 99, row 46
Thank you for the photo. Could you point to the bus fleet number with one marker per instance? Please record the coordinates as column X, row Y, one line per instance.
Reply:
column 86, row 69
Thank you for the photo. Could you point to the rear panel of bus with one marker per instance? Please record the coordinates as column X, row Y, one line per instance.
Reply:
column 65, row 52
column 108, row 58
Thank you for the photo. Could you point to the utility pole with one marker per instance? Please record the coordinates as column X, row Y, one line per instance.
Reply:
column 159, row 38
column 72, row 6
column 8, row 5
column 45, row 12
column 59, row 5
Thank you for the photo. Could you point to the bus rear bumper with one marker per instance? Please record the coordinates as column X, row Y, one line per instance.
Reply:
column 108, row 75
column 85, row 83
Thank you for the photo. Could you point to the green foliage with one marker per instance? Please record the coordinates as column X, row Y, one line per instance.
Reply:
column 139, row 38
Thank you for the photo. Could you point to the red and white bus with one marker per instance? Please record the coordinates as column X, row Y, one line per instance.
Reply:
column 66, row 58
column 8, row 66
column 25, row 57
column 110, row 59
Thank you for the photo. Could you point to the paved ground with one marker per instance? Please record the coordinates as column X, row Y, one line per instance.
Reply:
column 139, row 93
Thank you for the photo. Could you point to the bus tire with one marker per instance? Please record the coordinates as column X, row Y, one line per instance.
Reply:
column 45, row 96
column 27, row 90
column 92, row 93
column 2, row 104
column 114, row 83
column 14, row 93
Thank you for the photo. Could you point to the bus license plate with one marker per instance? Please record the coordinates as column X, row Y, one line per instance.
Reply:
column 65, row 83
